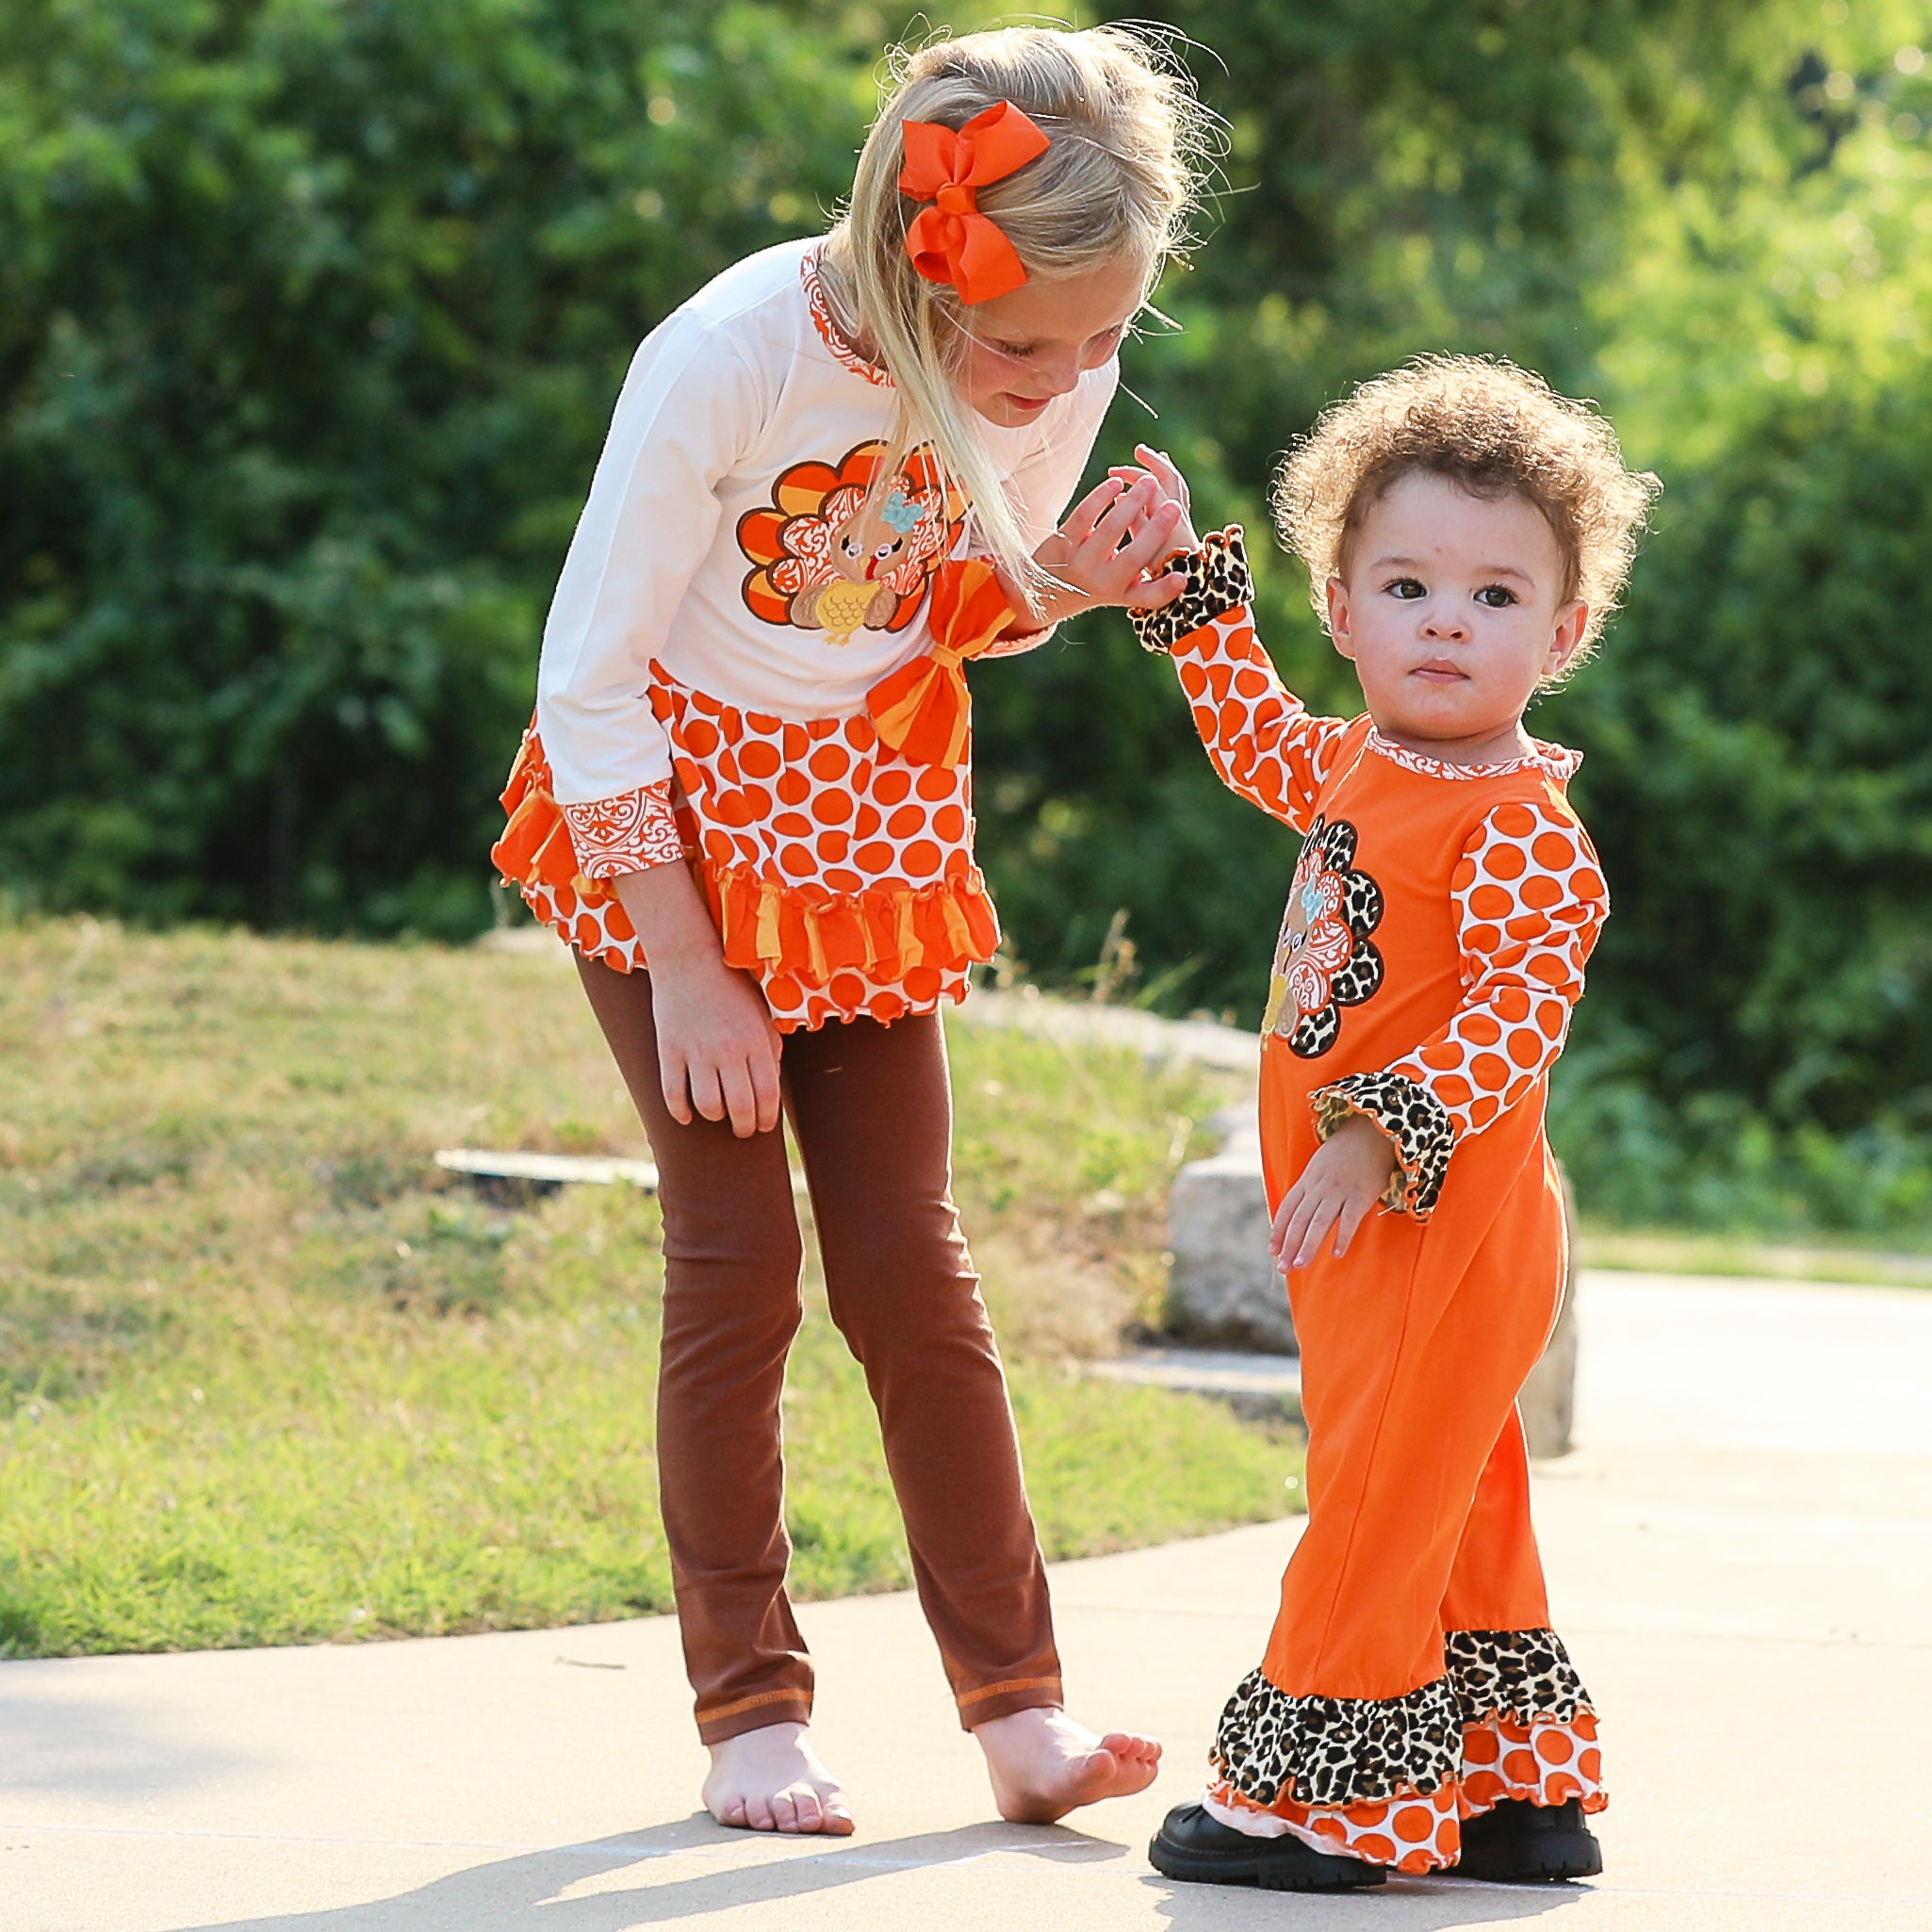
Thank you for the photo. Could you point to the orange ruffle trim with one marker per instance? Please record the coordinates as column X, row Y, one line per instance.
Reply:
column 766, row 926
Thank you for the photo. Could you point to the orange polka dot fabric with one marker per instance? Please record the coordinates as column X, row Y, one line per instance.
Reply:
column 1412, row 1834
column 841, row 874
column 1542, row 1761
column 1263, row 743
column 1529, row 901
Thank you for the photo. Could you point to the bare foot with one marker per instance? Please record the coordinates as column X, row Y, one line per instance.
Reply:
column 1043, row 1764
column 771, row 1780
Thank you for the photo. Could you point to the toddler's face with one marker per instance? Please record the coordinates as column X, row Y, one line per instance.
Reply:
column 1030, row 346
column 1449, row 612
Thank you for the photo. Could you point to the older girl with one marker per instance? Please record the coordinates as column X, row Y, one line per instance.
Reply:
column 833, row 475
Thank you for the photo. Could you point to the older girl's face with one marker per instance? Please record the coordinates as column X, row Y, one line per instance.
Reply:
column 1035, row 344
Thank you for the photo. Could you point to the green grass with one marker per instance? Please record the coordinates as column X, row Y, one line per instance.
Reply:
column 1667, row 1252
column 266, row 1375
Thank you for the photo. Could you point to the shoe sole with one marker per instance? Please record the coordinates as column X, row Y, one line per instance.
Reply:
column 1320, row 1873
column 1561, row 1855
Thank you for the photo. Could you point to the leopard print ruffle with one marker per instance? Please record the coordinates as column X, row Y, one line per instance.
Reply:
column 1218, row 580
column 1336, row 1750
column 1517, row 1676
column 1413, row 1120
column 1273, row 1749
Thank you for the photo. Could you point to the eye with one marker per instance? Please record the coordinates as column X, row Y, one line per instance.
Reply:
column 1404, row 589
column 1495, row 597
column 1016, row 351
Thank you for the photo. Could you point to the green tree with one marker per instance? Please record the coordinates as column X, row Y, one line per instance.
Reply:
column 313, row 316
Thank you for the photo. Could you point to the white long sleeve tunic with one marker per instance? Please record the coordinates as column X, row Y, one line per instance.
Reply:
column 733, row 591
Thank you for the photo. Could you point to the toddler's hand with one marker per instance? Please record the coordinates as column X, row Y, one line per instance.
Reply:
column 1172, row 488
column 1340, row 1183
column 1103, row 550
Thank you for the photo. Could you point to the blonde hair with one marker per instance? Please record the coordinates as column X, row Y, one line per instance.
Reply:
column 1490, row 428
column 1128, row 141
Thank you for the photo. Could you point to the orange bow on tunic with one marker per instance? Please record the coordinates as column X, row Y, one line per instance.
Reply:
column 924, row 710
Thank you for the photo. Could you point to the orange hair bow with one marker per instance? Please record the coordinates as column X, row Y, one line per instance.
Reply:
column 923, row 709
column 952, row 241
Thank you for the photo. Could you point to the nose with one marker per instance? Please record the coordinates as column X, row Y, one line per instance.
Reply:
column 1059, row 373
column 1445, row 624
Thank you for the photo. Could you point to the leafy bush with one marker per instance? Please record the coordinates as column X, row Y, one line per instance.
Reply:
column 1761, row 776
column 313, row 317
column 312, row 313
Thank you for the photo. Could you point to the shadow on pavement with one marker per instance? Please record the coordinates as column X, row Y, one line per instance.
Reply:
column 1404, row 1905
column 521, row 1895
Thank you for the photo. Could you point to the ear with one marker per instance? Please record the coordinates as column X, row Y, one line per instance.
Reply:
column 1570, row 623
column 1339, row 631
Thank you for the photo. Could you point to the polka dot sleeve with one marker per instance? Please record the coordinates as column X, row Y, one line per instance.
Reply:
column 630, row 832
column 1529, row 902
column 1260, row 738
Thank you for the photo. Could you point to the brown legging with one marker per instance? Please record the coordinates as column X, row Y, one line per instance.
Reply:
column 871, row 1113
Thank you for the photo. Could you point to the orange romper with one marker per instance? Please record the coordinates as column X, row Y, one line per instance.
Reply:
column 752, row 659
column 1433, row 948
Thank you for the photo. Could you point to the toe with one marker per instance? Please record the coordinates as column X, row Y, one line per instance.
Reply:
column 838, row 1818
column 808, row 1815
column 758, row 1815
column 785, row 1810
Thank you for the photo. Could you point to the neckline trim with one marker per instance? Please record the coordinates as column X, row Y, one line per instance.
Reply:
column 819, row 305
column 1558, row 760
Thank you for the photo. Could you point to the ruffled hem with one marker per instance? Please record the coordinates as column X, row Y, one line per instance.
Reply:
column 923, row 937
column 1391, row 1780
column 1547, row 1762
column 1275, row 1746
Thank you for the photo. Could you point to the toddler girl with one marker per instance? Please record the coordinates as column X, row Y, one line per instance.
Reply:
column 1466, row 533
column 833, row 475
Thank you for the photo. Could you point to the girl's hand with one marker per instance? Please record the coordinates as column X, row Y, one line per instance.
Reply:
column 1341, row 1183
column 1103, row 550
column 717, row 1048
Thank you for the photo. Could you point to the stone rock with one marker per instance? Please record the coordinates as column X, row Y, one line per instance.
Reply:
column 1223, row 1291
column 1549, row 1401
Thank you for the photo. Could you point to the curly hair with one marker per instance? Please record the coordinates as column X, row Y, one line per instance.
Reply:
column 1492, row 429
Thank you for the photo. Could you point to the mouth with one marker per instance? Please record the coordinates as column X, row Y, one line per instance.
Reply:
column 1440, row 671
column 1028, row 405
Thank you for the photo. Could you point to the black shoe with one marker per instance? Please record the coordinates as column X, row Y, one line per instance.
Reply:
column 1191, row 1845
column 1521, row 1843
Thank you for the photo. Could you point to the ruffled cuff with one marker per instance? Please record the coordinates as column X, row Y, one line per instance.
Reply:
column 1416, row 1123
column 1015, row 643
column 1218, row 580
column 632, row 832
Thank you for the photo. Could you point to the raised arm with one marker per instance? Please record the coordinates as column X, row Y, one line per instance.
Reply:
column 1529, row 901
column 1263, row 741
column 1042, row 485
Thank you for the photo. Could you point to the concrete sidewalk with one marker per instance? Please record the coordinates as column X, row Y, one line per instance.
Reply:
column 1742, row 1560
